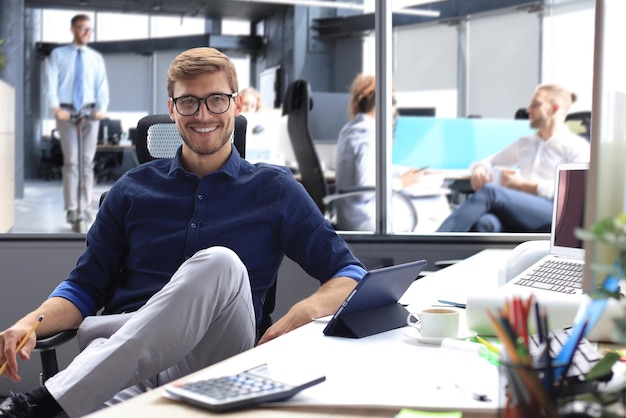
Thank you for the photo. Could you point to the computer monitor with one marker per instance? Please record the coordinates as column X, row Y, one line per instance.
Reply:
column 110, row 131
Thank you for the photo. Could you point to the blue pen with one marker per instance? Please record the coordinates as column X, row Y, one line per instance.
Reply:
column 588, row 321
column 455, row 304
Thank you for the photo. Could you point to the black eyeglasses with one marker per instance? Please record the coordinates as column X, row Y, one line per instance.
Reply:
column 190, row 105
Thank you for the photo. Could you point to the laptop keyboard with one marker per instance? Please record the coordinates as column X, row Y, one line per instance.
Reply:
column 585, row 357
column 559, row 276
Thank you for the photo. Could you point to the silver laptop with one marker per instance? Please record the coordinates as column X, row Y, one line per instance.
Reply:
column 561, row 271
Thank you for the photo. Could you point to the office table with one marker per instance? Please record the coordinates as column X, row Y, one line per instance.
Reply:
column 373, row 376
column 110, row 157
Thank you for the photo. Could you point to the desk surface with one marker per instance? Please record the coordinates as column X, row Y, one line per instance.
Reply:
column 115, row 147
column 405, row 373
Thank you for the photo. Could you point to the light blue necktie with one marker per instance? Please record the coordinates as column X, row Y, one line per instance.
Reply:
column 78, row 96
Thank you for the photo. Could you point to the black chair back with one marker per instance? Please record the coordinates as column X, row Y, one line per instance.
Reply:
column 158, row 137
column 297, row 105
column 580, row 123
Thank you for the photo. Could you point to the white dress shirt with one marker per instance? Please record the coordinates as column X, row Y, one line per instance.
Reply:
column 60, row 74
column 537, row 158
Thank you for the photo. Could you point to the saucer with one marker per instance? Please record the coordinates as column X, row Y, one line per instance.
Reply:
column 415, row 334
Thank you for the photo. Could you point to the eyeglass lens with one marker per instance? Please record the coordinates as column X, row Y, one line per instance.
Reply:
column 189, row 105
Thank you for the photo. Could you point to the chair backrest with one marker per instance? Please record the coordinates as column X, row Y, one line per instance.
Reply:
column 521, row 113
column 297, row 105
column 157, row 137
column 580, row 123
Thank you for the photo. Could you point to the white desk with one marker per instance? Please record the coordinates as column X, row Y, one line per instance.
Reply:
column 373, row 376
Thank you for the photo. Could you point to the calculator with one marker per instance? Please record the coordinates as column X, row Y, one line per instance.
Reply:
column 248, row 388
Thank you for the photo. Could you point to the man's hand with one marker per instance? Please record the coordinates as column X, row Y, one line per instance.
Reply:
column 410, row 177
column 99, row 116
column 511, row 179
column 324, row 302
column 62, row 114
column 60, row 314
column 480, row 176
column 9, row 340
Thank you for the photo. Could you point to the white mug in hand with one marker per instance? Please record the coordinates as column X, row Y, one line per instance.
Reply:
column 436, row 322
column 496, row 174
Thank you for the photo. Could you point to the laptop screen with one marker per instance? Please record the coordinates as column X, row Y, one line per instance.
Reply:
column 569, row 209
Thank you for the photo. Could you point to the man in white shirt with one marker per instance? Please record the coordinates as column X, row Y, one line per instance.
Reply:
column 77, row 88
column 510, row 199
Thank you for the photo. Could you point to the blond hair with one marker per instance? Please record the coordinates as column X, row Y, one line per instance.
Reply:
column 254, row 93
column 560, row 94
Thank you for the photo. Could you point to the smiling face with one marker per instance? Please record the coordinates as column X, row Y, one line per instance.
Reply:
column 206, row 135
column 81, row 30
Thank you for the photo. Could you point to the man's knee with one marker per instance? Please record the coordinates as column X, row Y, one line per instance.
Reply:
column 214, row 263
column 488, row 223
column 490, row 189
column 221, row 258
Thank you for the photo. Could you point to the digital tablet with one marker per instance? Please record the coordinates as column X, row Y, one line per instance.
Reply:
column 372, row 306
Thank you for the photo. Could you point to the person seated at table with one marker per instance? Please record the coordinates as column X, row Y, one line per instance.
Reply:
column 180, row 257
column 251, row 100
column 356, row 159
column 515, row 187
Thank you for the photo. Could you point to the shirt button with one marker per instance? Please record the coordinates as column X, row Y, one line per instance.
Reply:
column 200, row 197
column 193, row 225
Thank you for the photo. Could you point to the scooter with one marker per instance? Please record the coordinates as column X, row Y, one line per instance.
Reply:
column 77, row 118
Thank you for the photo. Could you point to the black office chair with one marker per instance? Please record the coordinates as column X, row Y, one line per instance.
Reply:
column 156, row 137
column 296, row 106
column 521, row 113
column 580, row 123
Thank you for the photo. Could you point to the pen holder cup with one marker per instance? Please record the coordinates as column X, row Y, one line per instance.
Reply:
column 532, row 391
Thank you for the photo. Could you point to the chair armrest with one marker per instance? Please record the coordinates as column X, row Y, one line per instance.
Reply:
column 356, row 191
column 47, row 343
column 353, row 191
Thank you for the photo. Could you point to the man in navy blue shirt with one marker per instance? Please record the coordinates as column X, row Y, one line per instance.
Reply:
column 180, row 258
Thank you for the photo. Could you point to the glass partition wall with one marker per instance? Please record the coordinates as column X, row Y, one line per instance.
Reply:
column 485, row 65
column 482, row 68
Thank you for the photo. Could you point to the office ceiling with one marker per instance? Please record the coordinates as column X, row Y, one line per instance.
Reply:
column 255, row 10
column 231, row 9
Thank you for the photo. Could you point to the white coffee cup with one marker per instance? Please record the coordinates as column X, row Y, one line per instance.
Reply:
column 435, row 322
column 496, row 174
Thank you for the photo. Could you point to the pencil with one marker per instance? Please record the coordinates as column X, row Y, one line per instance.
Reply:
column 21, row 344
column 487, row 344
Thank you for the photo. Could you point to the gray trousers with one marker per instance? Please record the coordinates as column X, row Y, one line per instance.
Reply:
column 202, row 316
column 68, row 134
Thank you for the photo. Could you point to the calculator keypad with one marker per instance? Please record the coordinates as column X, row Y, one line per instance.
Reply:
column 237, row 386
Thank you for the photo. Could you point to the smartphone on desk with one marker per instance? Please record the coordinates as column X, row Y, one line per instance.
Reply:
column 245, row 389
